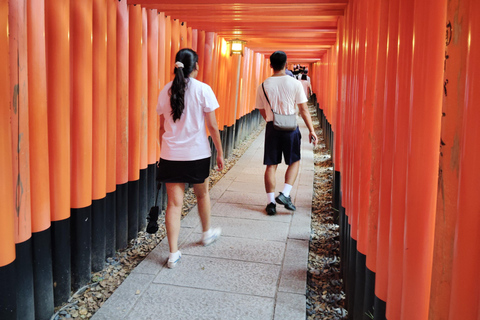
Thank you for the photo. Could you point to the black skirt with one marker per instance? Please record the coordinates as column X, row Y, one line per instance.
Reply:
column 194, row 171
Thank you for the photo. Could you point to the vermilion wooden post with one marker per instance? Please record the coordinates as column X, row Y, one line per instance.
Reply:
column 194, row 39
column 7, row 208
column 383, row 145
column 57, row 29
column 144, row 132
column 183, row 35
column 161, row 65
column 111, row 128
column 121, row 234
column 134, row 115
column 99, row 133
column 168, row 50
column 153, row 91
column 208, row 58
column 465, row 295
column 201, row 54
column 175, row 44
column 402, row 115
column 81, row 143
column 189, row 37
column 447, row 193
column 39, row 164
column 422, row 161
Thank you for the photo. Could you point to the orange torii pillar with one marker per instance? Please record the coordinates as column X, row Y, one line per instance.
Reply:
column 399, row 169
column 99, row 133
column 201, row 54
column 81, row 140
column 7, row 208
column 189, row 37
column 110, row 218
column 152, row 59
column 39, row 164
column 143, row 189
column 458, row 13
column 17, row 27
column 134, row 114
column 194, row 39
column 121, row 231
column 465, row 296
column 168, row 50
column 382, row 147
column 369, row 182
column 57, row 28
column 422, row 160
column 175, row 45
column 358, row 208
column 183, row 36
column 161, row 68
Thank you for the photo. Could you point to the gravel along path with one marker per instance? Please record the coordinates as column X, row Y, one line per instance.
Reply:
column 325, row 297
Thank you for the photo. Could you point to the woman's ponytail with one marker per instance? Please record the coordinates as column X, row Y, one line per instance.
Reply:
column 186, row 61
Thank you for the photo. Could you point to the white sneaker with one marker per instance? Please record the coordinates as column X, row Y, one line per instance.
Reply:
column 214, row 235
column 172, row 263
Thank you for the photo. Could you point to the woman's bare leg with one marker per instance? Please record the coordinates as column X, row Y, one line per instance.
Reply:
column 203, row 203
column 173, row 215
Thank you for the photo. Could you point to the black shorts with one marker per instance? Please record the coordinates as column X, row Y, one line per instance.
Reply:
column 281, row 142
column 194, row 171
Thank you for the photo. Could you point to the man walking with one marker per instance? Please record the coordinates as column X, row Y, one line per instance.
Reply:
column 282, row 93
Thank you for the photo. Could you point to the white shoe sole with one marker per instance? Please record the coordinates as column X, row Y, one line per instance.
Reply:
column 214, row 237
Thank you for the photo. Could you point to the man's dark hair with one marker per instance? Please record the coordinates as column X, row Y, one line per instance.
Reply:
column 278, row 59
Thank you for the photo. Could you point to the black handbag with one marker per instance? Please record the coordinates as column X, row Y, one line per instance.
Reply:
column 282, row 122
column 152, row 218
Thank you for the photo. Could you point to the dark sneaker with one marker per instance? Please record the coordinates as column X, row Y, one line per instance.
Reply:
column 271, row 209
column 286, row 201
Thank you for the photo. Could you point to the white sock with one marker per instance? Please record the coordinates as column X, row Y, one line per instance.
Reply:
column 286, row 190
column 271, row 197
column 207, row 233
column 174, row 256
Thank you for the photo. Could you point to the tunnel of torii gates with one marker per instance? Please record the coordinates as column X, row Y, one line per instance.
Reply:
column 397, row 94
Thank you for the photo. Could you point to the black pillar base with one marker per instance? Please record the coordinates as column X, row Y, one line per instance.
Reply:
column 24, row 280
column 110, row 224
column 42, row 274
column 359, row 285
column 143, row 199
column 8, row 293
column 133, row 197
column 99, row 208
column 81, row 230
column 380, row 308
column 121, row 231
column 61, row 256
column 369, row 293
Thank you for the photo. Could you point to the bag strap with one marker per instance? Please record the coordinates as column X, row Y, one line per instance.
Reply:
column 263, row 88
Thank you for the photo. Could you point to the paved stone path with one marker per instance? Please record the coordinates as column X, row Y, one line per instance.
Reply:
column 256, row 270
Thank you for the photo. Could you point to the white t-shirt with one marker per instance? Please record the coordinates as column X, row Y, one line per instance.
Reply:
column 186, row 139
column 284, row 93
column 305, row 85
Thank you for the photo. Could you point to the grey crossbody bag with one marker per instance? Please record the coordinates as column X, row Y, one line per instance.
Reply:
column 282, row 122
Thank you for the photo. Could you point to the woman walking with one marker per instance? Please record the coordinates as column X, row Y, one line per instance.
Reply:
column 184, row 106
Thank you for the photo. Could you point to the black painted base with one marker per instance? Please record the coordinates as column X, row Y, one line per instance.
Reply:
column 143, row 200
column 99, row 208
column 121, row 232
column 110, row 222
column 8, row 294
column 61, row 256
column 359, row 285
column 151, row 185
column 352, row 255
column 42, row 274
column 24, row 280
column 133, row 197
column 380, row 308
column 81, row 229
column 369, row 293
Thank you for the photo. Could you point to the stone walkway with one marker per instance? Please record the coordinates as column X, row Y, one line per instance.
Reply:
column 256, row 270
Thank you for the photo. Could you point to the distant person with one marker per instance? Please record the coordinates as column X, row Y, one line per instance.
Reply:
column 289, row 73
column 184, row 106
column 284, row 93
column 307, row 87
